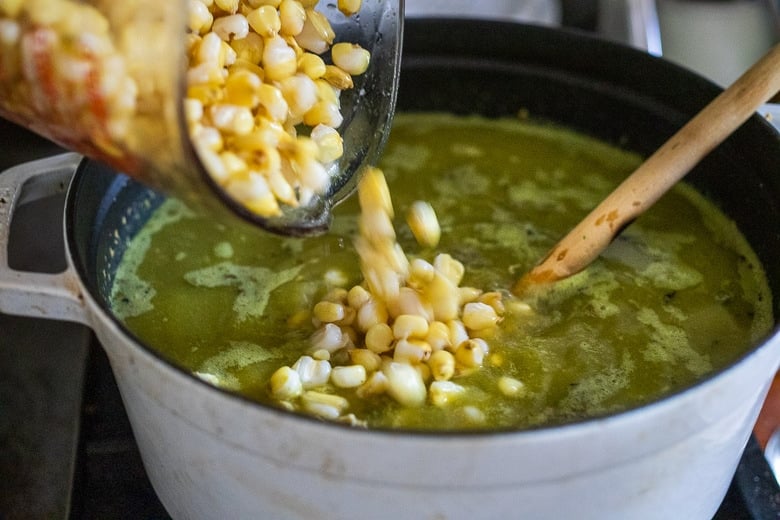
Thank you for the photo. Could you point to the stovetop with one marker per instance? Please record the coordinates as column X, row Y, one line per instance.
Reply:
column 66, row 447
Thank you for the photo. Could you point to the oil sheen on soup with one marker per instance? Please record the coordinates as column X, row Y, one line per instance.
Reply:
column 678, row 295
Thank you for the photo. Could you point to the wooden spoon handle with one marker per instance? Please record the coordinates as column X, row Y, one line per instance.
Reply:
column 672, row 161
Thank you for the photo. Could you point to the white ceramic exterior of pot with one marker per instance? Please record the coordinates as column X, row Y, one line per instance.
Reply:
column 210, row 454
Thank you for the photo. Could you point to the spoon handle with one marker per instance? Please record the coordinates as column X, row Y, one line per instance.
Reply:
column 670, row 163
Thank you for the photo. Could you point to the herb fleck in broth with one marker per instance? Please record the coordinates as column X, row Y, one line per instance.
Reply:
column 678, row 295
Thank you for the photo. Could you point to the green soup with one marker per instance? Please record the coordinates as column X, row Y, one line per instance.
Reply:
column 677, row 296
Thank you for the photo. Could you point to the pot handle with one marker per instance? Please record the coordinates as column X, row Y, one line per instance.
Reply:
column 42, row 295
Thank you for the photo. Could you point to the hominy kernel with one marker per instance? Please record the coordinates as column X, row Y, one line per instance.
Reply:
column 478, row 316
column 279, row 59
column 327, row 406
column 421, row 273
column 376, row 384
column 458, row 332
column 265, row 21
column 410, row 302
column 357, row 296
column 412, row 351
column 316, row 35
column 443, row 295
column 336, row 294
column 249, row 48
column 328, row 337
column 286, row 383
column 438, row 336
column 404, row 384
column 313, row 372
column 233, row 27
column 423, row 223
column 292, row 16
column 348, row 376
column 449, row 267
column 329, row 312
column 442, row 365
column 350, row 57
column 410, row 325
column 313, row 66
column 468, row 294
column 379, row 338
column 370, row 360
column 371, row 313
column 511, row 387
column 349, row 7
column 494, row 299
column 228, row 6
column 443, row 393
column 470, row 353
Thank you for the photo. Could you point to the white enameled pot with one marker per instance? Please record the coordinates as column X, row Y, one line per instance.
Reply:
column 211, row 454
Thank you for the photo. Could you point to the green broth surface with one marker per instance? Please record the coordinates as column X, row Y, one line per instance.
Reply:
column 678, row 295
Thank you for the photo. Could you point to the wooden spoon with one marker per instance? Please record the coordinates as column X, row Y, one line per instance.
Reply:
column 670, row 163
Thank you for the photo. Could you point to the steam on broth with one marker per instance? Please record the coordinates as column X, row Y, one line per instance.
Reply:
column 677, row 296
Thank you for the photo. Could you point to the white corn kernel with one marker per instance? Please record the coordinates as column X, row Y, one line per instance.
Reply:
column 200, row 19
column 511, row 387
column 232, row 119
column 404, row 384
column 300, row 92
column 273, row 102
column 265, row 21
column 443, row 295
column 442, row 365
column 410, row 325
column 421, row 272
column 494, row 299
column 292, row 16
column 323, row 113
column 329, row 312
column 379, row 337
column 316, row 34
column 313, row 372
column 228, row 6
column 449, row 267
column 458, row 332
column 411, row 351
column 357, row 296
column 471, row 353
column 371, row 313
column 233, row 27
column 376, row 384
column 438, row 336
column 350, row 57
column 443, row 393
column 327, row 406
column 410, row 302
column 330, row 144
column 279, row 59
column 249, row 48
column 370, row 360
column 422, row 220
column 478, row 316
column 350, row 376
column 349, row 7
column 314, row 67
column 328, row 337
column 468, row 294
column 286, row 384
